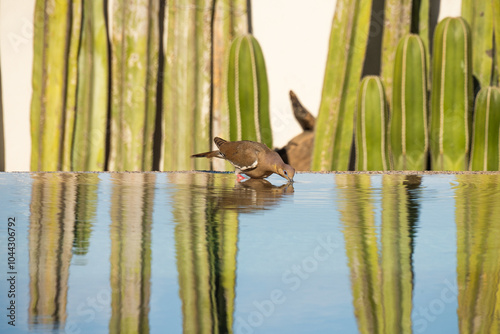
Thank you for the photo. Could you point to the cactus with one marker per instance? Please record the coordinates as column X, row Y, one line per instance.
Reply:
column 248, row 92
column 451, row 96
column 408, row 121
column 496, row 27
column 423, row 27
column 229, row 21
column 397, row 23
column 187, row 95
column 371, row 123
column 346, row 54
column 479, row 15
column 56, row 31
column 88, row 153
column 485, row 146
column 133, row 93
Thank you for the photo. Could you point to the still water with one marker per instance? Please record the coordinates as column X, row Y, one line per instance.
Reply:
column 199, row 253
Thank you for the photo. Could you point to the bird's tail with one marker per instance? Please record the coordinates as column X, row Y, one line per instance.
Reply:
column 212, row 154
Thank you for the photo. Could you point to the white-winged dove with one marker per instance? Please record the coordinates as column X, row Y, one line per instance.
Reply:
column 250, row 158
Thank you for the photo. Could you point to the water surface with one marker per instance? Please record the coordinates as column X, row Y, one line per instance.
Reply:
column 200, row 253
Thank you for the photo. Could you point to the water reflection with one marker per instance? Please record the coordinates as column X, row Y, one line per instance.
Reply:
column 381, row 270
column 206, row 235
column 478, row 253
column 85, row 211
column 379, row 216
column 131, row 218
column 51, row 237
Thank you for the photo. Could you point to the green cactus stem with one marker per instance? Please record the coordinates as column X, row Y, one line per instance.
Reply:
column 371, row 124
column 496, row 27
column 346, row 54
column 230, row 20
column 56, row 31
column 485, row 146
column 479, row 15
column 451, row 96
column 397, row 23
column 187, row 73
column 134, row 71
column 408, row 121
column 248, row 92
column 89, row 144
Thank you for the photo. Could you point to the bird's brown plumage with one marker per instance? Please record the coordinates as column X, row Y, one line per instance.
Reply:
column 251, row 158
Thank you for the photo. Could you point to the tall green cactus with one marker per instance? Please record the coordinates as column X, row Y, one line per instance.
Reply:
column 88, row 153
column 248, row 92
column 451, row 95
column 479, row 15
column 371, row 124
column 346, row 54
column 55, row 44
column 423, row 27
column 408, row 124
column 134, row 62
column 187, row 72
column 485, row 146
column 230, row 20
column 397, row 23
column 496, row 27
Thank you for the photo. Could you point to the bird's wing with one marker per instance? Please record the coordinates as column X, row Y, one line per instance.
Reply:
column 242, row 155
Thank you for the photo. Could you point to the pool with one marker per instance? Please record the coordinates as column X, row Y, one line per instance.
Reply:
column 197, row 252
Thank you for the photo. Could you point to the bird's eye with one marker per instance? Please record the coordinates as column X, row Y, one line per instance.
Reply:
column 285, row 172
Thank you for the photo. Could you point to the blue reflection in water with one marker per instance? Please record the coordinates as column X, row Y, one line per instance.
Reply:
column 197, row 252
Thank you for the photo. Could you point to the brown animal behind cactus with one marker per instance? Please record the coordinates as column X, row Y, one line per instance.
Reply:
column 298, row 151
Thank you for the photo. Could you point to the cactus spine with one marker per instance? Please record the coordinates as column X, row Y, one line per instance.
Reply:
column 371, row 123
column 485, row 146
column 408, row 124
column 248, row 92
column 346, row 54
column 451, row 96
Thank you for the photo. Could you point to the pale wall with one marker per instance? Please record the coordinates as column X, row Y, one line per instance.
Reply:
column 293, row 34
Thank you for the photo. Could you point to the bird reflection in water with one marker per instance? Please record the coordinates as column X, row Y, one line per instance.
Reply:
column 206, row 212
column 254, row 195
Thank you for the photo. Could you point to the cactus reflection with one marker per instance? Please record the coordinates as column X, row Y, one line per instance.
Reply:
column 209, row 254
column 381, row 279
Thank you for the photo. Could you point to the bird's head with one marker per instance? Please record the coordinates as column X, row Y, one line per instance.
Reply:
column 286, row 171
